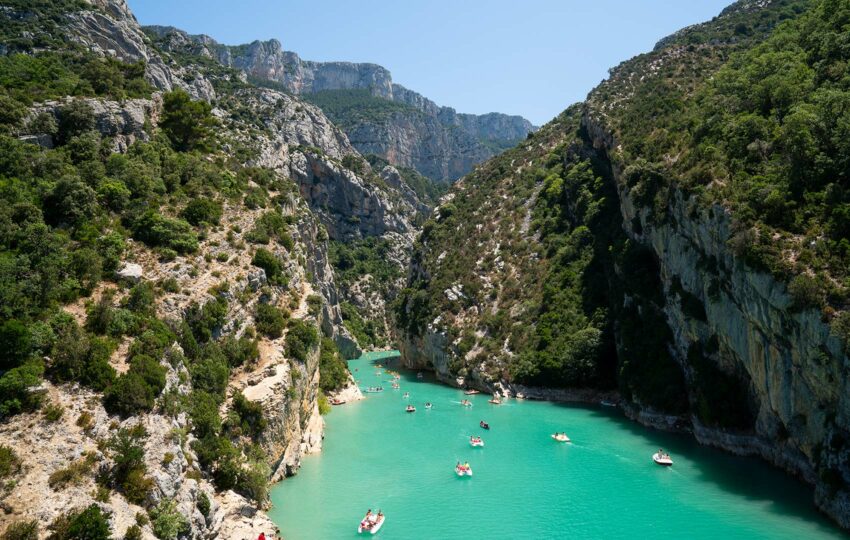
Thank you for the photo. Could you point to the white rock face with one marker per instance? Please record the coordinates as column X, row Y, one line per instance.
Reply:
column 131, row 271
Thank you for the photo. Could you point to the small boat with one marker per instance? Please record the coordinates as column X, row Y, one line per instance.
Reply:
column 476, row 442
column 495, row 401
column 662, row 458
column 428, row 405
column 374, row 389
column 337, row 401
column 396, row 386
column 371, row 523
column 607, row 403
column 560, row 437
column 466, row 403
column 420, row 375
column 406, row 395
column 471, row 392
column 484, row 425
column 410, row 408
column 463, row 470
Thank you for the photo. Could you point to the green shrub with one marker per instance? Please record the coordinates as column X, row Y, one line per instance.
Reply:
column 203, row 504
column 16, row 394
column 210, row 373
column 270, row 320
column 73, row 474
column 300, row 338
column 187, row 124
column 158, row 231
column 129, row 472
column 240, row 351
column 254, row 483
column 205, row 320
column 266, row 260
column 333, row 373
column 133, row 532
column 129, row 395
column 248, row 416
column 90, row 523
column 21, row 530
column 202, row 210
column 324, row 404
column 10, row 463
column 53, row 412
column 15, row 343
column 75, row 119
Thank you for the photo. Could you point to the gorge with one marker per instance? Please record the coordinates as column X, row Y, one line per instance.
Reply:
column 195, row 237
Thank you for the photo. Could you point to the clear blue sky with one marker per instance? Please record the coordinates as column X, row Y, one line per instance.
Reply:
column 528, row 57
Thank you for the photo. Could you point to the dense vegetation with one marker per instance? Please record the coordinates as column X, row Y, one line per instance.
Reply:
column 349, row 107
column 765, row 137
column 555, row 310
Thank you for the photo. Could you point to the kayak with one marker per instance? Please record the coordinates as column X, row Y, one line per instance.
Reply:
column 376, row 526
column 410, row 408
column 374, row 390
column 471, row 392
column 476, row 444
column 606, row 403
column 560, row 438
column 463, row 472
column 494, row 401
column 662, row 459
column 484, row 425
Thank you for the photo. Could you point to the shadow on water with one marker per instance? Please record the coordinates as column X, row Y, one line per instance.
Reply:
column 749, row 477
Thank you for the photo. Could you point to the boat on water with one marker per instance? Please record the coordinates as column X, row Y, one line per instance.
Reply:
column 560, row 437
column 463, row 470
column 484, row 425
column 476, row 442
column 374, row 389
column 420, row 375
column 466, row 403
column 410, row 408
column 337, row 401
column 662, row 458
column 372, row 523
column 406, row 395
column 607, row 403
column 471, row 392
column 396, row 386
column 495, row 401
column 428, row 405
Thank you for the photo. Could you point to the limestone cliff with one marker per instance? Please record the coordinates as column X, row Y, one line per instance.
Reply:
column 570, row 251
column 436, row 141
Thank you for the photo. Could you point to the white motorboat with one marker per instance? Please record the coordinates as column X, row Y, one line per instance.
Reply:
column 662, row 459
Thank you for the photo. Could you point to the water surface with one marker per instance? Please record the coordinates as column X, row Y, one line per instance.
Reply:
column 525, row 485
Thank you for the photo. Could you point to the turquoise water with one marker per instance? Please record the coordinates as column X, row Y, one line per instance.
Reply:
column 525, row 485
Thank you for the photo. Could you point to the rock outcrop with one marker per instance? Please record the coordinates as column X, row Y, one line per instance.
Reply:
column 757, row 373
column 436, row 141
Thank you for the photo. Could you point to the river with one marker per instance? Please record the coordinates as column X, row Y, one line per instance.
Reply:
column 526, row 485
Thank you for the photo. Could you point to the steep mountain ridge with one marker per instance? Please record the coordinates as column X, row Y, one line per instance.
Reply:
column 631, row 244
column 187, row 323
column 403, row 127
